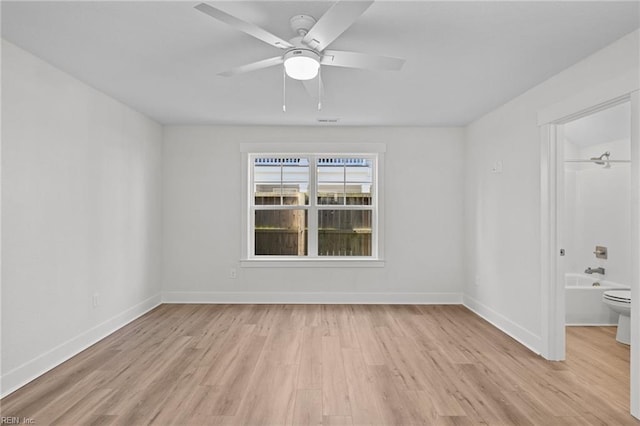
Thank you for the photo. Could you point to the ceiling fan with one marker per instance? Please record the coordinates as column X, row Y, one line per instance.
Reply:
column 305, row 53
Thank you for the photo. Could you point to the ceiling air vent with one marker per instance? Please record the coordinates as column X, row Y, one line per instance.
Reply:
column 327, row 120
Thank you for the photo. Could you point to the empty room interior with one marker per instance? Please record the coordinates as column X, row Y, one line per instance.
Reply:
column 320, row 212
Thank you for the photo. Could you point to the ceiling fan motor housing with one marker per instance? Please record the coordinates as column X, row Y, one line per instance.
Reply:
column 302, row 52
column 301, row 24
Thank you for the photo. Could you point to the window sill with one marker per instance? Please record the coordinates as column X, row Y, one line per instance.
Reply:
column 311, row 263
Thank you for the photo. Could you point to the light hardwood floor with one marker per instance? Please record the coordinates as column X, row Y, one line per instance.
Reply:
column 330, row 365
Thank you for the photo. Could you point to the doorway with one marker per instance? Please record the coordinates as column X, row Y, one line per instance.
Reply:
column 594, row 203
column 573, row 166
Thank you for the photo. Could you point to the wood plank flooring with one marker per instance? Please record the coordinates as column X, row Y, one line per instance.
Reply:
column 328, row 365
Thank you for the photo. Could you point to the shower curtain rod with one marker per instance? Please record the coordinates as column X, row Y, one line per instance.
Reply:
column 597, row 161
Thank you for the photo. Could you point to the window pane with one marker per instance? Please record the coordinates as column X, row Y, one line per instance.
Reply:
column 344, row 181
column 358, row 194
column 359, row 179
column 344, row 232
column 331, row 169
column 281, row 233
column 268, row 195
column 281, row 181
column 295, row 196
column 329, row 193
column 295, row 182
column 359, row 170
column 330, row 172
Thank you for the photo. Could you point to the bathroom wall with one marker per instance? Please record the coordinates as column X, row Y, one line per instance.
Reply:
column 598, row 210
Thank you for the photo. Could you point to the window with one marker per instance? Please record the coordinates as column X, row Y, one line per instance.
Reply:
column 280, row 206
column 344, row 205
column 315, row 207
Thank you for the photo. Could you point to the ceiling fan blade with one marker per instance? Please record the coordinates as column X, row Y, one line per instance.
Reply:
column 254, row 66
column 334, row 22
column 340, row 58
column 251, row 29
column 312, row 88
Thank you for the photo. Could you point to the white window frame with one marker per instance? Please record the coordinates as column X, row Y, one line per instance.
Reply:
column 373, row 151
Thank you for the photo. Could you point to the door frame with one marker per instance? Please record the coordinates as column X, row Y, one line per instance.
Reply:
column 551, row 179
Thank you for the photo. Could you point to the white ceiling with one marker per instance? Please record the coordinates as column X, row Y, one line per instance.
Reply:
column 463, row 59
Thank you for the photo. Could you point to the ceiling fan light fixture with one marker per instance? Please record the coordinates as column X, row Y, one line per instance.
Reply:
column 301, row 64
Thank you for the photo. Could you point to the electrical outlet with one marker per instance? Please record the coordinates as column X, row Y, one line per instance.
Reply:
column 96, row 300
column 233, row 273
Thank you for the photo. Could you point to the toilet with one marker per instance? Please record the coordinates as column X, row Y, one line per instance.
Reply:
column 620, row 302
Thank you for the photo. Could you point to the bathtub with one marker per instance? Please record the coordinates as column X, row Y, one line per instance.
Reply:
column 584, row 304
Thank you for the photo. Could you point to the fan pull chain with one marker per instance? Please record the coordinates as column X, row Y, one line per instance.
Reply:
column 319, row 90
column 284, row 90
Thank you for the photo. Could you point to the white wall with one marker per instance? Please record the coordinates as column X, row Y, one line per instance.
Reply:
column 503, row 210
column 598, row 212
column 81, row 215
column 423, row 223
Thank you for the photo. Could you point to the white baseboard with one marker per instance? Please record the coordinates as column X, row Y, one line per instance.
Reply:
column 36, row 367
column 312, row 298
column 517, row 332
